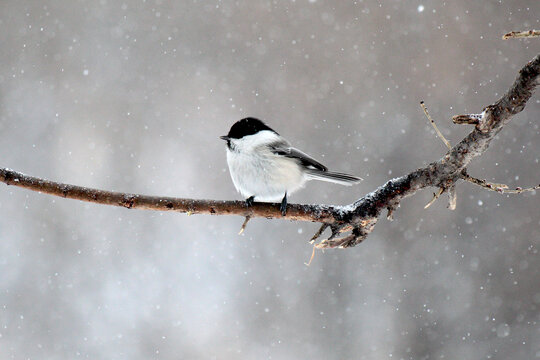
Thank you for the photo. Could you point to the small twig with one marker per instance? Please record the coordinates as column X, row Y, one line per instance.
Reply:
column 332, row 243
column 452, row 197
column 318, row 233
column 486, row 185
column 244, row 225
column 500, row 188
column 435, row 197
column 521, row 34
column 439, row 133
column 326, row 243
column 343, row 242
column 390, row 213
column 520, row 190
column 312, row 256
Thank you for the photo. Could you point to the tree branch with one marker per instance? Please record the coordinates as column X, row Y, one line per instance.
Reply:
column 318, row 213
column 359, row 217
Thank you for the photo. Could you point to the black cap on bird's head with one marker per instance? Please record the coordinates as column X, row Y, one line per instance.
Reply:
column 245, row 127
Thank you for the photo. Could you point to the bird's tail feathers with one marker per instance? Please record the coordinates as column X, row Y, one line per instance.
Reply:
column 337, row 178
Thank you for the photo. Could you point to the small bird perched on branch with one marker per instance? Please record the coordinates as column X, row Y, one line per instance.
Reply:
column 265, row 167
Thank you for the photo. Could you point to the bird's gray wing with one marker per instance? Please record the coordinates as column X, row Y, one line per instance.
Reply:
column 283, row 148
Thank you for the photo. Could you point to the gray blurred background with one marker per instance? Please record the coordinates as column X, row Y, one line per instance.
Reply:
column 132, row 96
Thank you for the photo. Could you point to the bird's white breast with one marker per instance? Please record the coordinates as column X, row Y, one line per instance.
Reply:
column 256, row 171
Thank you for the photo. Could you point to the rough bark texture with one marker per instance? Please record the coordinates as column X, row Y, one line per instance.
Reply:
column 359, row 217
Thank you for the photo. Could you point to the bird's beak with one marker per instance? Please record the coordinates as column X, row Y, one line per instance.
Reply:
column 226, row 138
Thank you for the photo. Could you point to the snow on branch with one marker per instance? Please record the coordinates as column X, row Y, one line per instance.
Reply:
column 358, row 218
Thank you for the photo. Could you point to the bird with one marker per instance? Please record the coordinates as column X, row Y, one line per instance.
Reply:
column 265, row 167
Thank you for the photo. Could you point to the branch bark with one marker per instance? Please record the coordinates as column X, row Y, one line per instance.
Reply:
column 359, row 217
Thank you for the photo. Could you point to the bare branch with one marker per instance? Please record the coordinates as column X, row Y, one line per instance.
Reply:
column 360, row 216
column 319, row 213
column 500, row 188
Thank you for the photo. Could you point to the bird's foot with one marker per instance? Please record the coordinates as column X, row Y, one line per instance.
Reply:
column 283, row 206
column 249, row 201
